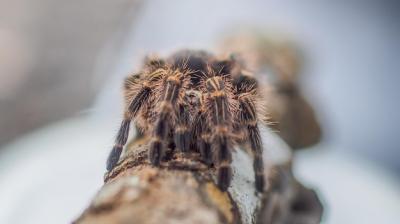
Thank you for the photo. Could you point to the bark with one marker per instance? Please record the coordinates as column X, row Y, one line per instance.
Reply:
column 183, row 190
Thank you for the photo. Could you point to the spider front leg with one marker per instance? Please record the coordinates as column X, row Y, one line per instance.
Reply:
column 163, row 122
column 204, row 142
column 182, row 131
column 249, row 119
column 130, row 112
column 221, row 127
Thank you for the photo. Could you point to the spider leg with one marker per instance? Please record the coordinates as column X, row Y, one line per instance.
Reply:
column 182, row 131
column 123, row 132
column 249, row 118
column 163, row 122
column 204, row 140
column 220, row 120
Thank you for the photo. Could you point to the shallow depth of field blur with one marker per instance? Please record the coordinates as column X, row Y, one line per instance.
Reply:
column 62, row 64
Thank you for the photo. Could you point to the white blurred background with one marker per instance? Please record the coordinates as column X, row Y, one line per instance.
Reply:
column 62, row 64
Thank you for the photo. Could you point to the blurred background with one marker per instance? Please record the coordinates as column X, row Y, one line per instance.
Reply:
column 62, row 64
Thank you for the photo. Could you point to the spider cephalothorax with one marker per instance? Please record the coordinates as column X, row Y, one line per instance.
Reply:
column 193, row 102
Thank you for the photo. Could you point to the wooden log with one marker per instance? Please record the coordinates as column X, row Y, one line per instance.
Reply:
column 183, row 190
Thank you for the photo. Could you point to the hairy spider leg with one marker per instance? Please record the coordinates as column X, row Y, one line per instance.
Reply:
column 220, row 115
column 182, row 129
column 123, row 132
column 204, row 139
column 163, row 122
column 249, row 119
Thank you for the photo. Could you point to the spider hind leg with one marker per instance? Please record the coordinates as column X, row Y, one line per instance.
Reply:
column 249, row 119
column 131, row 111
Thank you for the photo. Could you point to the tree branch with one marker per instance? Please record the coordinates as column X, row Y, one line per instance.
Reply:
column 183, row 190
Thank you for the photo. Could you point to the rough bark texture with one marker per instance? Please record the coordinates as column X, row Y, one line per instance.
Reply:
column 183, row 190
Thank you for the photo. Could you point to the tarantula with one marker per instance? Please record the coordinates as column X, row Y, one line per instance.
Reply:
column 193, row 102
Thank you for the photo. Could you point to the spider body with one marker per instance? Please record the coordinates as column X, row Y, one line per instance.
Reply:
column 193, row 102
